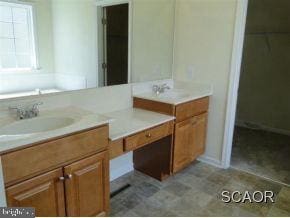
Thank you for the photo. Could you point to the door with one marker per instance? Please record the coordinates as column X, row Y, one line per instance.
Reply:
column 199, row 127
column 182, row 144
column 45, row 193
column 116, row 27
column 189, row 142
column 87, row 186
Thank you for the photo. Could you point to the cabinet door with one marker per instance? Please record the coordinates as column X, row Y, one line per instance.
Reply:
column 189, row 141
column 87, row 186
column 45, row 193
column 199, row 128
column 182, row 144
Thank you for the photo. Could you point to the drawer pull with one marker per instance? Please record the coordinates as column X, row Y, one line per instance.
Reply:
column 148, row 135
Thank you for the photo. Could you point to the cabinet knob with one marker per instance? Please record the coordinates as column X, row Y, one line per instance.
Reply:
column 148, row 135
column 69, row 176
column 61, row 178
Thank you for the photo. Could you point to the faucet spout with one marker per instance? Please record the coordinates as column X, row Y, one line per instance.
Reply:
column 26, row 112
column 157, row 89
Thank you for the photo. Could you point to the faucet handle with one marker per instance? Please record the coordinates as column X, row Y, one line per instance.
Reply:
column 19, row 110
column 35, row 108
column 165, row 85
column 155, row 87
column 37, row 104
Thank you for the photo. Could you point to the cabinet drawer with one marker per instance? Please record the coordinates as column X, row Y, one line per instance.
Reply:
column 45, row 156
column 192, row 108
column 148, row 136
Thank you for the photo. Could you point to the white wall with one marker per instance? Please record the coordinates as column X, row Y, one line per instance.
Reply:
column 204, row 34
column 75, row 48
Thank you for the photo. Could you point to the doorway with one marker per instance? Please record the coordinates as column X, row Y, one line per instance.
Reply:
column 115, row 22
column 261, row 141
column 114, row 42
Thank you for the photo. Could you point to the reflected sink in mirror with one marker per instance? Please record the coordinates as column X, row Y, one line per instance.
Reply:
column 35, row 125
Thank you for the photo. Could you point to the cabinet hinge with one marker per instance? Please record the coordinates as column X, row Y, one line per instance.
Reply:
column 104, row 66
column 104, row 21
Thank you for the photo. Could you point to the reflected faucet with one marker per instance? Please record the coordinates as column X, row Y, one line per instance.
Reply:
column 157, row 89
column 28, row 111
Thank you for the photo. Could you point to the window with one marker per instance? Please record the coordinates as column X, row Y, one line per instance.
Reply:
column 17, row 40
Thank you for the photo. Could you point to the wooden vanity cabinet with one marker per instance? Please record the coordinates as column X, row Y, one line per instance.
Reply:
column 79, row 187
column 189, row 129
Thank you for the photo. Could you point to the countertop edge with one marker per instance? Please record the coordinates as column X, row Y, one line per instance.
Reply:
column 20, row 146
column 174, row 102
column 140, row 129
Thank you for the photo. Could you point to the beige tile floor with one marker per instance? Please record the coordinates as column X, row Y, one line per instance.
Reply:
column 262, row 153
column 195, row 191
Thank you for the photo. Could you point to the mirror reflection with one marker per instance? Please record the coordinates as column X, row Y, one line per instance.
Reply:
column 59, row 45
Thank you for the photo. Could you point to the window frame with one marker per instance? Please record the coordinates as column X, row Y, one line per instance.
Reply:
column 32, row 37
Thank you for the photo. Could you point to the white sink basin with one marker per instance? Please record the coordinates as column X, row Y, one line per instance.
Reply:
column 173, row 94
column 35, row 125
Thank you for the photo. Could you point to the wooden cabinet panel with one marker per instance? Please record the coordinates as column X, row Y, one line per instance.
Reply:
column 116, row 148
column 148, row 136
column 199, row 129
column 190, row 109
column 155, row 159
column 87, row 190
column 45, row 156
column 182, row 144
column 189, row 142
column 45, row 193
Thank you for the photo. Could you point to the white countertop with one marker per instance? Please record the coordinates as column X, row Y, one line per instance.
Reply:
column 83, row 120
column 132, row 120
column 121, row 124
column 181, row 92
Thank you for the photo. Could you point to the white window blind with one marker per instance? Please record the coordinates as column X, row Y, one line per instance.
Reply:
column 17, row 40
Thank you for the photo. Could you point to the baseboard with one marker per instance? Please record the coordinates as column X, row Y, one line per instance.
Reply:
column 211, row 161
column 257, row 126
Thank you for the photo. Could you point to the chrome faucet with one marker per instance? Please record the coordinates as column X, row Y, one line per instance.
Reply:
column 28, row 111
column 157, row 89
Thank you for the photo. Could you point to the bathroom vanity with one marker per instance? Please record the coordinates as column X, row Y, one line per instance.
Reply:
column 190, row 126
column 65, row 176
column 60, row 162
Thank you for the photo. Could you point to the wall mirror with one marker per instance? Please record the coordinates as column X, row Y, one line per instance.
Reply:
column 51, row 46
